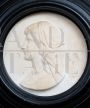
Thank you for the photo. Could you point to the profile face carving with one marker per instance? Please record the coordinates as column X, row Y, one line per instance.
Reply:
column 42, row 38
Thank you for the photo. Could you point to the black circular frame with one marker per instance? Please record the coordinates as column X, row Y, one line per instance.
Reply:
column 63, row 7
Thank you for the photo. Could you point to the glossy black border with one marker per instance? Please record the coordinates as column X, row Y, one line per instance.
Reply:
column 66, row 8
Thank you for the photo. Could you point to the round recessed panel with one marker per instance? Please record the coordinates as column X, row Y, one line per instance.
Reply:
column 45, row 54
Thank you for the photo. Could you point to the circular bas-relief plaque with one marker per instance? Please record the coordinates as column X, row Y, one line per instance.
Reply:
column 45, row 54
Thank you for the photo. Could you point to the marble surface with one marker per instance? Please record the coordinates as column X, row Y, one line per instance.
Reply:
column 45, row 54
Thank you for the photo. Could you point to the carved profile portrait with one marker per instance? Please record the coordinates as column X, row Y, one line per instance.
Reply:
column 42, row 38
